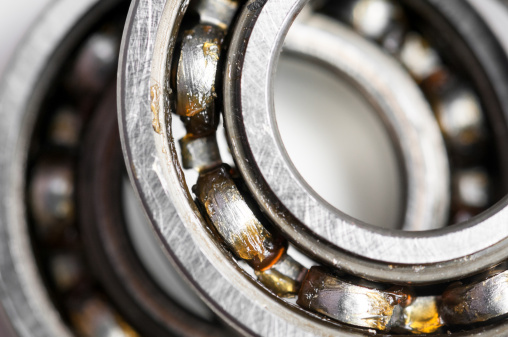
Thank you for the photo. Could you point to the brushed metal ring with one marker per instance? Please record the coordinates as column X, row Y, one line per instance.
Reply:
column 156, row 175
column 156, row 172
column 400, row 105
column 418, row 257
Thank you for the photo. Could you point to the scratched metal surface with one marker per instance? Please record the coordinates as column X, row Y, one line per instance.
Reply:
column 400, row 105
column 428, row 254
column 157, row 177
column 407, row 114
column 220, row 282
column 477, row 302
column 21, row 289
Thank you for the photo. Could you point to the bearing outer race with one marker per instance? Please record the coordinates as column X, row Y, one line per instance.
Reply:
column 15, row 99
column 190, row 242
column 156, row 176
column 133, row 292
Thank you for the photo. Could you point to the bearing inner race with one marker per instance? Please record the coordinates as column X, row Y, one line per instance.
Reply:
column 249, row 102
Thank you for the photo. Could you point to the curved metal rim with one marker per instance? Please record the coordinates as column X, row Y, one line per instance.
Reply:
column 406, row 112
column 121, row 273
column 14, row 102
column 407, row 117
column 419, row 257
column 22, row 290
column 157, row 178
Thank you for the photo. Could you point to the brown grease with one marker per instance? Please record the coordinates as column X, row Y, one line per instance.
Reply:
column 422, row 317
column 154, row 105
column 235, row 221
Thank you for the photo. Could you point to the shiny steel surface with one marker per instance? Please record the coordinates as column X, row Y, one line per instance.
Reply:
column 200, row 153
column 33, row 306
column 366, row 307
column 227, row 285
column 52, row 195
column 489, row 60
column 472, row 188
column 141, row 302
column 197, row 70
column 284, row 278
column 373, row 18
column 422, row 316
column 419, row 58
column 459, row 114
column 217, row 12
column 407, row 117
column 476, row 302
column 156, row 177
column 423, row 257
column 153, row 162
column 243, row 231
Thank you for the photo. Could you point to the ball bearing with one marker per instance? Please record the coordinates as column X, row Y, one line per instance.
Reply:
column 266, row 253
column 252, row 55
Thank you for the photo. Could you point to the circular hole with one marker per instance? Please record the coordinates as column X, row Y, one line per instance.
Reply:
column 337, row 143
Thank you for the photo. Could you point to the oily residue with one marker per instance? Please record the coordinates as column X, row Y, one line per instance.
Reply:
column 324, row 292
column 280, row 284
column 422, row 316
column 154, row 105
column 196, row 103
column 211, row 50
column 234, row 220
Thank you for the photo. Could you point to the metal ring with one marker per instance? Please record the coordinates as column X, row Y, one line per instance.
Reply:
column 232, row 294
column 158, row 164
column 265, row 310
column 54, row 60
column 407, row 117
column 252, row 59
column 106, row 240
